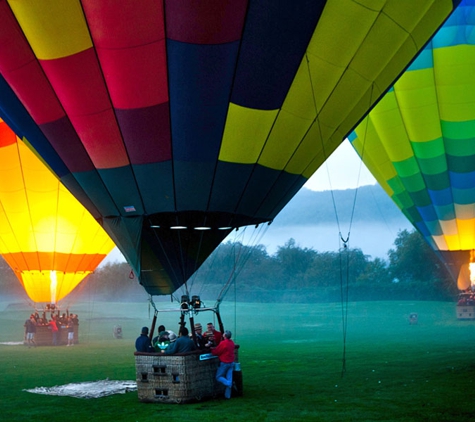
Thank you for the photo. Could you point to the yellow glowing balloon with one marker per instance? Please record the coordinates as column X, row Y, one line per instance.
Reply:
column 46, row 236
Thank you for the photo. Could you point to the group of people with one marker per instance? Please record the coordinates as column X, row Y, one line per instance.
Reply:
column 467, row 299
column 56, row 323
column 213, row 341
column 169, row 343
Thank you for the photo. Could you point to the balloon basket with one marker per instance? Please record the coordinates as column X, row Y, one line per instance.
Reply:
column 181, row 378
column 44, row 336
column 466, row 305
column 465, row 312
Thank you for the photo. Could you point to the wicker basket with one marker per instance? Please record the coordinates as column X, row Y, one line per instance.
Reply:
column 181, row 378
column 465, row 312
column 44, row 336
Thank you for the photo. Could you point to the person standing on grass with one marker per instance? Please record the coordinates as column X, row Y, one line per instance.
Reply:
column 30, row 328
column 70, row 327
column 225, row 353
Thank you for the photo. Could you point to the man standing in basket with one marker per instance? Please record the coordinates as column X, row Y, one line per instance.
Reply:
column 225, row 353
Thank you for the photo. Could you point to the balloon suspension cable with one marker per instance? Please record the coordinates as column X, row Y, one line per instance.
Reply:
column 343, row 290
column 344, row 278
column 345, row 241
column 325, row 155
column 241, row 257
column 152, row 303
column 241, row 249
column 344, row 287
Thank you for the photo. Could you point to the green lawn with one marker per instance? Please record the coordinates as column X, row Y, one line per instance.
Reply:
column 291, row 357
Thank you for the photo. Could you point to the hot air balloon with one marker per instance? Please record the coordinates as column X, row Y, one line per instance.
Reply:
column 46, row 236
column 419, row 142
column 175, row 122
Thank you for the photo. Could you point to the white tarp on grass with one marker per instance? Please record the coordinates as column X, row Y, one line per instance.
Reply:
column 88, row 390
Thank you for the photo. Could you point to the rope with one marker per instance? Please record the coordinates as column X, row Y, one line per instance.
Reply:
column 344, row 298
column 235, row 311
column 344, row 288
column 240, row 260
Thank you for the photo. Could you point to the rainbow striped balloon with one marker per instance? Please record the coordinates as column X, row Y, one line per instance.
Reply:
column 419, row 141
column 175, row 122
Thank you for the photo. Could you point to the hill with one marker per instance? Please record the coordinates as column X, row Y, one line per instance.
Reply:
column 319, row 220
column 371, row 204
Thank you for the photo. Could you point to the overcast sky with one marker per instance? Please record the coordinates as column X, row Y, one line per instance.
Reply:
column 341, row 171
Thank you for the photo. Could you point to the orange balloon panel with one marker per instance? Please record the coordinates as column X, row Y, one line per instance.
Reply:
column 46, row 236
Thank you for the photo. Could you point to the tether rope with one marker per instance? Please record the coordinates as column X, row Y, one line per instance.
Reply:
column 344, row 288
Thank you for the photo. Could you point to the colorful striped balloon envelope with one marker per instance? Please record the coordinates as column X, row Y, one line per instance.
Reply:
column 419, row 141
column 46, row 236
column 175, row 122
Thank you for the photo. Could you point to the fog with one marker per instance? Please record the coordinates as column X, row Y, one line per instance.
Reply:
column 373, row 239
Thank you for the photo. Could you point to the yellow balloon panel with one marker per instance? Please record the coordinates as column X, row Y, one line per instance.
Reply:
column 44, row 230
column 38, row 19
column 49, row 286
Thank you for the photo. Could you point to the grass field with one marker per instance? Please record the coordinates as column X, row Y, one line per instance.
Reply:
column 291, row 357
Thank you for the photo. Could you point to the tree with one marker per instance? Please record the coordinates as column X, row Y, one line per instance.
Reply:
column 413, row 259
column 293, row 262
column 417, row 269
column 112, row 282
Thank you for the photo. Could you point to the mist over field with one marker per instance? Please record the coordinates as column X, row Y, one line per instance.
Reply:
column 291, row 357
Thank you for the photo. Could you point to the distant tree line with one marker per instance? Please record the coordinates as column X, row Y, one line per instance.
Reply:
column 293, row 274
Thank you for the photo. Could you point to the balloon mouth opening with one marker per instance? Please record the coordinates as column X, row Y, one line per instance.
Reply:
column 200, row 220
column 466, row 272
column 471, row 267
column 200, row 228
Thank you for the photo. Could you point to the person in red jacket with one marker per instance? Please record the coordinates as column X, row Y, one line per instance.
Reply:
column 225, row 353
column 212, row 336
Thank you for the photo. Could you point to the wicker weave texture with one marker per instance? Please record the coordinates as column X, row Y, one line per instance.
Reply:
column 176, row 379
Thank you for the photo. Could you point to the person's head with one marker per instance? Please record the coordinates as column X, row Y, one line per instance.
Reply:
column 161, row 328
column 184, row 332
column 172, row 337
column 210, row 326
column 227, row 334
column 145, row 330
column 198, row 328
